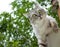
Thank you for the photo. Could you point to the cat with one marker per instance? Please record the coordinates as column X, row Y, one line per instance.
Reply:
column 42, row 24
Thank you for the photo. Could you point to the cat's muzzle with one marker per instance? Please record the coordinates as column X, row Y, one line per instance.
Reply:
column 40, row 16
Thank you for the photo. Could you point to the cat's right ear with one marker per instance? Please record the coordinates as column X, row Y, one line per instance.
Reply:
column 37, row 5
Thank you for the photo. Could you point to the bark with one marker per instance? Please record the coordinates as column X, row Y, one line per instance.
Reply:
column 58, row 11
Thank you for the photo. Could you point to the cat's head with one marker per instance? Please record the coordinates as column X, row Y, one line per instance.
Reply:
column 37, row 13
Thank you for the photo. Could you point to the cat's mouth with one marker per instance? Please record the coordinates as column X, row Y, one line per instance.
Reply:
column 40, row 16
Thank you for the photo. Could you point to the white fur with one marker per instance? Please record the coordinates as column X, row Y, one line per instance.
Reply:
column 40, row 28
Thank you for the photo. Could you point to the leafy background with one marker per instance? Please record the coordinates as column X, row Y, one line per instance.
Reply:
column 15, row 28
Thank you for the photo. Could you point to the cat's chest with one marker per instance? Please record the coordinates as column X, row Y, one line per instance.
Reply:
column 40, row 25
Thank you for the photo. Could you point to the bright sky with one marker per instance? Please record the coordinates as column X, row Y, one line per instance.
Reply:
column 4, row 5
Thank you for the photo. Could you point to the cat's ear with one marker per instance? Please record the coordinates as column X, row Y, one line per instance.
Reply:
column 26, row 15
column 37, row 5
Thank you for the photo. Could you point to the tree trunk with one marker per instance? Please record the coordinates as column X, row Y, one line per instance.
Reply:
column 58, row 12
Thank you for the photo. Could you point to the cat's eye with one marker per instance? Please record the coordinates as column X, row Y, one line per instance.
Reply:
column 39, row 11
column 34, row 15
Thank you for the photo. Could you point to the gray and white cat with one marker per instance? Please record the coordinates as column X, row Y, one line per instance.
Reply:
column 43, row 25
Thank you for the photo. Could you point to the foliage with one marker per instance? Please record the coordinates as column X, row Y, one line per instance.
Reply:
column 15, row 28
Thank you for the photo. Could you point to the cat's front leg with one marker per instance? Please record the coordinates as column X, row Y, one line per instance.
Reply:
column 42, row 44
column 42, row 41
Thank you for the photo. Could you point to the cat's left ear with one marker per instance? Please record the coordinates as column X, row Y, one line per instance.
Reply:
column 26, row 15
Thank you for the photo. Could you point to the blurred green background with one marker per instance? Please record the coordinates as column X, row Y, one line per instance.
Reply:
column 15, row 28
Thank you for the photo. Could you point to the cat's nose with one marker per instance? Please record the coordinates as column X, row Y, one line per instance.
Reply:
column 40, row 16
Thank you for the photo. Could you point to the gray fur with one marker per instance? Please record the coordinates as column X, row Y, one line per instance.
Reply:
column 41, row 23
